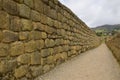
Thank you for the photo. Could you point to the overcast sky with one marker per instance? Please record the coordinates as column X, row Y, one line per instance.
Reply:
column 95, row 12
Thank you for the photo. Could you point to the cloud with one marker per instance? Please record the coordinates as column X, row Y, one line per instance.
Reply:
column 95, row 12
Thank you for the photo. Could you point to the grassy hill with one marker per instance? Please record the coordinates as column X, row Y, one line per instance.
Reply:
column 107, row 29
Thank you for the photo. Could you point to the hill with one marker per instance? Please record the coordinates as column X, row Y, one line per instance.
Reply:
column 107, row 29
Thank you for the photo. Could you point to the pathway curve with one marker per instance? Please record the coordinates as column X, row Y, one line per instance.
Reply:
column 96, row 64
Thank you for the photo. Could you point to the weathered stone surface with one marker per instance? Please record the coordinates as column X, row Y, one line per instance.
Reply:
column 4, row 20
column 6, row 66
column 58, row 41
column 43, row 35
column 9, row 36
column 46, row 10
column 46, row 68
column 64, row 55
column 45, row 52
column 51, row 50
column 26, row 25
column 15, row 24
column 50, row 21
column 21, row 71
column 4, row 48
column 23, row 35
column 24, row 11
column 1, row 4
column 30, row 46
column 19, row 1
column 43, row 19
column 57, row 50
column 36, row 35
column 29, row 3
column 1, row 36
column 43, row 61
column 38, row 5
column 36, row 71
column 35, row 16
column 50, row 60
column 35, row 58
column 49, row 43
column 24, row 59
column 58, row 59
column 40, row 44
column 17, row 48
column 49, row 30
column 38, row 26
column 10, row 7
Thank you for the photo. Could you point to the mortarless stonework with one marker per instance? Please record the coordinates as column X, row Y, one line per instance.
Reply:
column 37, row 35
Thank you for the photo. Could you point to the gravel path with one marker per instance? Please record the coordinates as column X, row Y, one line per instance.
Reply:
column 96, row 64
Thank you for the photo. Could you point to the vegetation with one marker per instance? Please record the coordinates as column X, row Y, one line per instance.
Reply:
column 107, row 30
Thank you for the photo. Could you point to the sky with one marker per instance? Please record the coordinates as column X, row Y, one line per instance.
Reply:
column 95, row 12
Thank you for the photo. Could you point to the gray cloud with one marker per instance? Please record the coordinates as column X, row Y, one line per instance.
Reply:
column 95, row 12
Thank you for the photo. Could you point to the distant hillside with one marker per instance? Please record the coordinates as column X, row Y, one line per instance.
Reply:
column 107, row 29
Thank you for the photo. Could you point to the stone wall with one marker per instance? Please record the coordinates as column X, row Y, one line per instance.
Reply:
column 37, row 35
column 114, row 45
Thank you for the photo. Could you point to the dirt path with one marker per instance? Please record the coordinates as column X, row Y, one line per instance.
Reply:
column 96, row 64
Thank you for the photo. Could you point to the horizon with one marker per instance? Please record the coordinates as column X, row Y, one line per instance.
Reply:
column 95, row 13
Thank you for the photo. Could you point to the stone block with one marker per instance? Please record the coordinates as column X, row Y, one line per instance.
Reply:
column 9, row 36
column 36, row 71
column 35, row 16
column 24, row 59
column 4, row 20
column 21, row 71
column 15, row 23
column 50, row 59
column 43, row 61
column 24, row 11
column 43, row 35
column 36, row 35
column 19, row 1
column 38, row 5
column 49, row 30
column 17, row 48
column 38, row 26
column 56, row 1
column 29, row 3
column 50, row 21
column 1, row 4
column 35, row 58
column 40, row 44
column 53, row 14
column 4, row 48
column 46, row 68
column 51, row 4
column 58, row 59
column 26, row 25
column 57, row 49
column 51, row 50
column 1, row 36
column 49, row 43
column 23, row 35
column 64, row 55
column 7, row 66
column 43, row 18
column 46, row 10
column 10, row 7
column 30, row 46
column 45, row 52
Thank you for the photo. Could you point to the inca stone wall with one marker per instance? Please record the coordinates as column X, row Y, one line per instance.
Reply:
column 37, row 35
column 114, row 45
